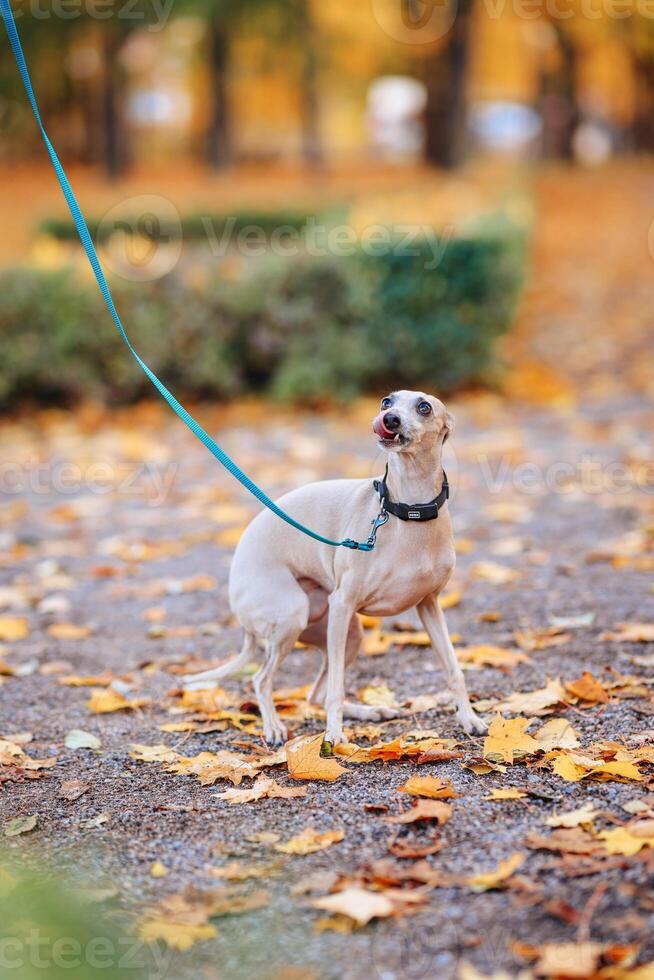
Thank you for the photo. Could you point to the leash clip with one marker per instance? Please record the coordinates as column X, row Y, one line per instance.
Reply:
column 379, row 521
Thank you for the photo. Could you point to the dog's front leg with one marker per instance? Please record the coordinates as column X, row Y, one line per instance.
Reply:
column 341, row 611
column 433, row 620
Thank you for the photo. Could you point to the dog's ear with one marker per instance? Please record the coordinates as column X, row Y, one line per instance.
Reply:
column 449, row 427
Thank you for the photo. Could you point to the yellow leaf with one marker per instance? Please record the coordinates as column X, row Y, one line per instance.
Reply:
column 178, row 935
column 629, row 840
column 495, row 879
column 158, row 870
column 423, row 810
column 484, row 655
column 449, row 600
column 104, row 702
column 587, row 688
column 497, row 795
column 13, row 628
column 564, row 767
column 378, row 696
column 490, row 571
column 306, row 762
column 534, row 702
column 505, row 738
column 68, row 631
column 429, row 787
column 309, row 841
column 574, row 818
column 153, row 753
column 264, row 788
column 557, row 733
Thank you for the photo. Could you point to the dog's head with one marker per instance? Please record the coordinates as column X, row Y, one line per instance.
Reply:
column 411, row 421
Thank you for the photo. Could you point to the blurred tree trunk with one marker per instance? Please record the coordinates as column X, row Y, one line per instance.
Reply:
column 445, row 74
column 643, row 127
column 558, row 101
column 312, row 149
column 219, row 149
column 115, row 137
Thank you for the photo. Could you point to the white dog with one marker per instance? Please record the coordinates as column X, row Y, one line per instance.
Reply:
column 285, row 587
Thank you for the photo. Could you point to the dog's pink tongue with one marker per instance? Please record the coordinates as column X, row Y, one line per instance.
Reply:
column 380, row 429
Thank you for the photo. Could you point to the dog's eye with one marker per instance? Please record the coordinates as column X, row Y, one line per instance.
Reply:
column 386, row 403
column 424, row 408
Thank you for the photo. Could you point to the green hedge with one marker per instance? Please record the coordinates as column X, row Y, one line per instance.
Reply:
column 304, row 329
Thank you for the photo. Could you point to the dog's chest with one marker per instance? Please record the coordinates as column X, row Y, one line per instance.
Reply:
column 390, row 589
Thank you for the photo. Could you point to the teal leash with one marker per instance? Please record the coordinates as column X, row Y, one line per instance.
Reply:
column 92, row 255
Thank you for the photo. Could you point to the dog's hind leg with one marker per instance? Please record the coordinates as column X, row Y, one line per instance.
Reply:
column 195, row 682
column 274, row 729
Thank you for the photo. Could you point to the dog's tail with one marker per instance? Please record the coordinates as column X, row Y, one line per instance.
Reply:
column 195, row 682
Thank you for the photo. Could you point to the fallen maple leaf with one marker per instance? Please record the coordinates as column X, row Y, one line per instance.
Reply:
column 309, row 841
column 498, row 795
column 536, row 702
column 13, row 628
column 557, row 733
column 631, row 633
column 496, row 879
column 423, row 810
column 490, row 571
column 376, row 696
column 587, row 688
column 358, row 904
column 21, row 825
column 629, row 840
column 484, row 655
column 104, row 702
column 73, row 789
column 68, row 631
column 428, row 787
column 574, row 818
column 305, row 761
column 505, row 738
column 263, row 788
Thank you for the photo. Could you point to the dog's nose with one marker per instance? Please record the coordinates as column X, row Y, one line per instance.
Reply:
column 392, row 421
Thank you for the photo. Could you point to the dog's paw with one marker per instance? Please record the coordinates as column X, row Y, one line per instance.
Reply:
column 471, row 723
column 373, row 713
column 275, row 734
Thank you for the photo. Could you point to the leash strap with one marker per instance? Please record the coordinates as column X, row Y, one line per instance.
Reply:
column 412, row 512
column 92, row 255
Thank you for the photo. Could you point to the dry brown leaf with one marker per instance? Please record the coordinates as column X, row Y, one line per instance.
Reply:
column 587, row 688
column 498, row 878
column 309, row 841
column 574, row 818
column 72, row 789
column 358, row 904
column 490, row 571
column 423, row 810
column 627, row 633
column 306, row 762
column 379, row 695
column 263, row 788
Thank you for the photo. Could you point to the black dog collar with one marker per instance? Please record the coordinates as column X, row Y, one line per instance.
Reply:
column 412, row 512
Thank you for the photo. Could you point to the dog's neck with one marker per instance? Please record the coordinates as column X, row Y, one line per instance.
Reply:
column 415, row 478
